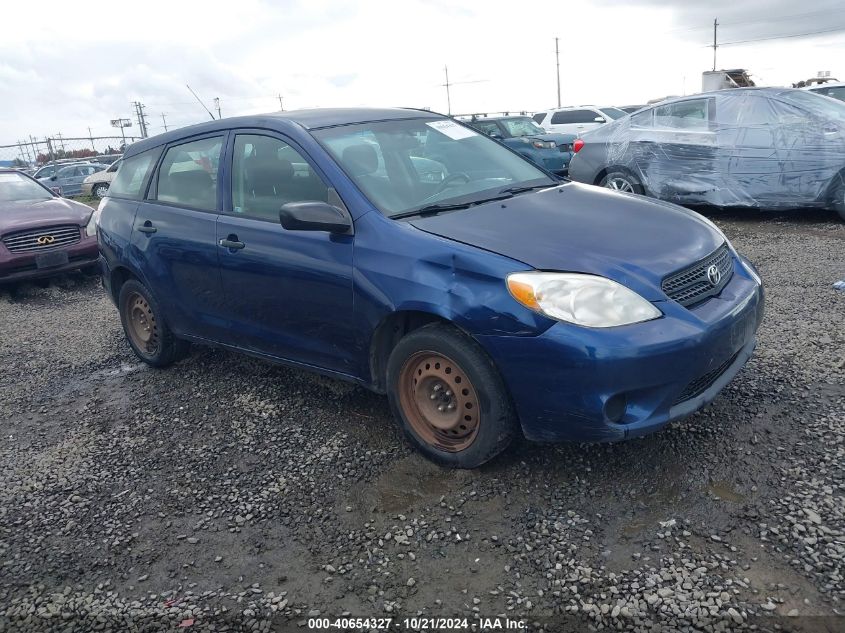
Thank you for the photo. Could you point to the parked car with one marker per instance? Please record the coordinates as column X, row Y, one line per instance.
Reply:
column 97, row 184
column 106, row 159
column 67, row 181
column 40, row 233
column 552, row 152
column 835, row 90
column 485, row 303
column 630, row 109
column 747, row 147
column 577, row 119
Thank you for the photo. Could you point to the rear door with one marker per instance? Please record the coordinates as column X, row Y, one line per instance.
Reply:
column 174, row 236
column 288, row 293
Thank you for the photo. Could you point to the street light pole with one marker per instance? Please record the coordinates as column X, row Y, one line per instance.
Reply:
column 557, row 61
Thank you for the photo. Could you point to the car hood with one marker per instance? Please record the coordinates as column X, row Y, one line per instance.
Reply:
column 18, row 216
column 580, row 228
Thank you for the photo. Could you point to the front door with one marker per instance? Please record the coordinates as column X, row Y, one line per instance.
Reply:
column 288, row 293
column 175, row 235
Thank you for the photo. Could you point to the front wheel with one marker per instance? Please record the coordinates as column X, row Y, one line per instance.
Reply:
column 625, row 181
column 147, row 333
column 100, row 190
column 449, row 398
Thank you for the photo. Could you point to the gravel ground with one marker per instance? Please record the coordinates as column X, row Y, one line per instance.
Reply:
column 229, row 494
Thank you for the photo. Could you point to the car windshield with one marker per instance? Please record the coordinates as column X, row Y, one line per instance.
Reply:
column 522, row 127
column 412, row 165
column 17, row 188
column 824, row 107
column 834, row 92
column 614, row 113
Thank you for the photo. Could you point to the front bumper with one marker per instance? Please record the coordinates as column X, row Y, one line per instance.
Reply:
column 22, row 266
column 86, row 189
column 567, row 384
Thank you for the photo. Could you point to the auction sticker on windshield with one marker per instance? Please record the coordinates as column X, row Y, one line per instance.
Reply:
column 452, row 129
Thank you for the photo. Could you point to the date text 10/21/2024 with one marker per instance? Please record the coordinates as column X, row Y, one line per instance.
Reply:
column 418, row 624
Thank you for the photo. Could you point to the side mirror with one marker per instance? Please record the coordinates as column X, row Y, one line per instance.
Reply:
column 600, row 119
column 314, row 216
column 53, row 177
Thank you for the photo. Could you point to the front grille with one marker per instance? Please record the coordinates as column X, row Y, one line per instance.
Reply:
column 704, row 382
column 42, row 239
column 692, row 284
column 565, row 147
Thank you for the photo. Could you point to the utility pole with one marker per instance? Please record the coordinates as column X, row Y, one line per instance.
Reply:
column 91, row 136
column 61, row 140
column 49, row 148
column 448, row 96
column 281, row 105
column 217, row 107
column 715, row 42
column 164, row 121
column 557, row 60
column 142, row 121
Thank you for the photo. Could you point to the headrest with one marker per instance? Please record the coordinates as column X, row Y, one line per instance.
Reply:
column 360, row 159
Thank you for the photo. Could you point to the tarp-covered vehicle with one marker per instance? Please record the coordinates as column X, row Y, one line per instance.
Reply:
column 768, row 148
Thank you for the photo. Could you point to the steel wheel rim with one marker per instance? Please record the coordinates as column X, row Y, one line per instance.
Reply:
column 141, row 323
column 439, row 401
column 620, row 184
column 100, row 191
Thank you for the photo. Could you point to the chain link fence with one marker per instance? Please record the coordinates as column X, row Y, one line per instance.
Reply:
column 34, row 152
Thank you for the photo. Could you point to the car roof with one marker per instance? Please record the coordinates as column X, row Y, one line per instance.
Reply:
column 829, row 84
column 766, row 91
column 312, row 119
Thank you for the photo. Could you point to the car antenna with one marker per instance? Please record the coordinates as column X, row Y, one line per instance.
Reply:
column 200, row 102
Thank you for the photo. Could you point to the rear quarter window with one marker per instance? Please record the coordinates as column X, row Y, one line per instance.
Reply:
column 132, row 175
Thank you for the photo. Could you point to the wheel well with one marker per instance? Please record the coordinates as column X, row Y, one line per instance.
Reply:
column 388, row 333
column 119, row 276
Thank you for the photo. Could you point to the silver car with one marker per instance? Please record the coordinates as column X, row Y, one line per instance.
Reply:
column 67, row 181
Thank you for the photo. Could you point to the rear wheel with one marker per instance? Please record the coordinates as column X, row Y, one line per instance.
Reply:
column 148, row 334
column 448, row 397
column 620, row 180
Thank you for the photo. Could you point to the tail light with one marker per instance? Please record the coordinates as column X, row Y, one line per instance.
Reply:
column 577, row 145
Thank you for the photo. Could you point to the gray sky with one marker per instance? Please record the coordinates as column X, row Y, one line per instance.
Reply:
column 65, row 66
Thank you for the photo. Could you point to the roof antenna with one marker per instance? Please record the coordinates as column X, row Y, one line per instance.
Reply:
column 200, row 102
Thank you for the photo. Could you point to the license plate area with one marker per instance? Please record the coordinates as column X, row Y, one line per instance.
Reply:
column 51, row 260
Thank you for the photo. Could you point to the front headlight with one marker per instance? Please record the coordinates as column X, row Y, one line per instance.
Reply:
column 544, row 144
column 586, row 300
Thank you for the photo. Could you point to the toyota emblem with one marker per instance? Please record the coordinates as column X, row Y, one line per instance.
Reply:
column 714, row 275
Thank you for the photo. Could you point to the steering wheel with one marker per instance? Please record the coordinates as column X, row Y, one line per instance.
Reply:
column 449, row 180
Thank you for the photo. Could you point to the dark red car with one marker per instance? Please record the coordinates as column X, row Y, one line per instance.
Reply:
column 41, row 233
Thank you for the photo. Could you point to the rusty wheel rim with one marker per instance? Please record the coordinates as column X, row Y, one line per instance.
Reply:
column 141, row 321
column 439, row 401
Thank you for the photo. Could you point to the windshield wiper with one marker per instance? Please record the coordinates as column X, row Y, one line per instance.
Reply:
column 515, row 190
column 434, row 209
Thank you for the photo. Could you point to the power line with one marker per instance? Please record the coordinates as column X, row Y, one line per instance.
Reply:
column 759, row 20
column 781, row 37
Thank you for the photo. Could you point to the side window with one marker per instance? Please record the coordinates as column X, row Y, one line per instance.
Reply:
column 267, row 173
column 693, row 114
column 114, row 167
column 188, row 174
column 488, row 127
column 573, row 116
column 539, row 117
column 130, row 178
column 642, row 119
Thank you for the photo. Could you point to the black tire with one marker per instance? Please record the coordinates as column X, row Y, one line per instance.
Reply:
column 837, row 195
column 620, row 176
column 100, row 190
column 496, row 424
column 162, row 348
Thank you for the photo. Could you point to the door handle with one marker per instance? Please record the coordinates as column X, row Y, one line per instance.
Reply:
column 147, row 227
column 232, row 242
